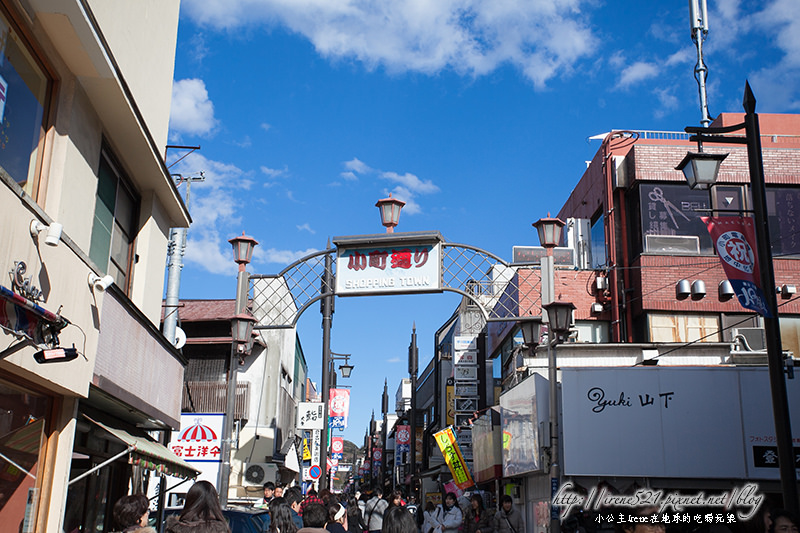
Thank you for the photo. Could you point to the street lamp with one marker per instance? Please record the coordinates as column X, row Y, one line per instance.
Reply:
column 549, row 232
column 390, row 212
column 241, row 339
column 701, row 168
column 780, row 402
column 531, row 331
column 559, row 315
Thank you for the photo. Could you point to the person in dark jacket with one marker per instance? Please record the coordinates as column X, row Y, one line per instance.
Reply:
column 337, row 516
column 201, row 512
column 508, row 519
column 477, row 519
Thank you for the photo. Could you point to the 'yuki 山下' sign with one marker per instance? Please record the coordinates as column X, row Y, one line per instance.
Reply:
column 388, row 265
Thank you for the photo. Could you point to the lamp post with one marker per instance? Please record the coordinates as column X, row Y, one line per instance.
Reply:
column 701, row 171
column 384, row 412
column 559, row 315
column 241, row 339
column 346, row 369
column 390, row 212
column 549, row 230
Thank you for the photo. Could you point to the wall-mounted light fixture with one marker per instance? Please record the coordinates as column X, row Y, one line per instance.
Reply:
column 53, row 235
column 98, row 283
column 787, row 291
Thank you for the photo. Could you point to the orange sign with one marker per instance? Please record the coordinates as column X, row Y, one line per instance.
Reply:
column 446, row 440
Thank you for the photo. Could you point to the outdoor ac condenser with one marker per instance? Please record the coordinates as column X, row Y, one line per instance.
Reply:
column 256, row 474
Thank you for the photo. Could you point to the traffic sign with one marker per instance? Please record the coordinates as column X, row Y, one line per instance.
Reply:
column 314, row 472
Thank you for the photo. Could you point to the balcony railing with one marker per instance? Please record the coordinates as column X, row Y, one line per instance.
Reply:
column 210, row 397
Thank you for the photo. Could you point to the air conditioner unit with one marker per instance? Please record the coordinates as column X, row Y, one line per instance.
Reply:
column 259, row 473
column 579, row 238
column 755, row 337
column 682, row 244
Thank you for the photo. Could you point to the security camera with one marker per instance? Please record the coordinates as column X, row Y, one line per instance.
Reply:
column 53, row 235
column 100, row 284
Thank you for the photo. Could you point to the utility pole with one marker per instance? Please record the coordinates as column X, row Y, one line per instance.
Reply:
column 412, row 370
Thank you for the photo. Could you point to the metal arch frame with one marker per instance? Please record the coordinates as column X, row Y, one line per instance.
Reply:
column 449, row 272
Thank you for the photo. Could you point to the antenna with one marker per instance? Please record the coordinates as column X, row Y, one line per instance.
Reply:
column 698, row 14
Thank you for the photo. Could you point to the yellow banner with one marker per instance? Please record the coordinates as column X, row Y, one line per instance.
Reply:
column 448, row 445
column 306, row 451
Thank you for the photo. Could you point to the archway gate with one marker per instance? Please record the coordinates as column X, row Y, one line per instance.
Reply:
column 392, row 263
column 395, row 263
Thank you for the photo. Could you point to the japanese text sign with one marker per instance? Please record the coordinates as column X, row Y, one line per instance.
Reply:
column 199, row 439
column 734, row 239
column 448, row 445
column 402, row 440
column 392, row 268
column 309, row 415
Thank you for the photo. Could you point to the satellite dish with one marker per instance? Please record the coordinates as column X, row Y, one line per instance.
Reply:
column 180, row 338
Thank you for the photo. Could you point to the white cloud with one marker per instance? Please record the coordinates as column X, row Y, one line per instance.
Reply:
column 684, row 56
column 356, row 165
column 192, row 111
column 349, row 176
column 411, row 182
column 275, row 172
column 540, row 38
column 393, row 360
column 638, row 72
column 206, row 251
column 265, row 126
column 285, row 257
column 306, row 227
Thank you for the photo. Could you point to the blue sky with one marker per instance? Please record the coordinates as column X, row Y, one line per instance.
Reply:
column 476, row 113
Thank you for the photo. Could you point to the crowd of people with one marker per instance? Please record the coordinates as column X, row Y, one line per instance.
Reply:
column 369, row 512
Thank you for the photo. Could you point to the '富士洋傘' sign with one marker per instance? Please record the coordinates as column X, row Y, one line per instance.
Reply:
column 388, row 268
column 446, row 440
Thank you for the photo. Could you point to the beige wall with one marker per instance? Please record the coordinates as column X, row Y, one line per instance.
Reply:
column 143, row 36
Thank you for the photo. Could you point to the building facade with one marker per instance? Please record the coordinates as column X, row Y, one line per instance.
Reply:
column 85, row 206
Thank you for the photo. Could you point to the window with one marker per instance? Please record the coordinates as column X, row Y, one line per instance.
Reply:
column 22, row 432
column 783, row 210
column 598, row 234
column 684, row 328
column 670, row 216
column 115, row 222
column 24, row 90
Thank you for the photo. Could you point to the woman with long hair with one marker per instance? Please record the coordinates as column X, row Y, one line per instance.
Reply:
column 395, row 499
column 281, row 517
column 354, row 518
column 477, row 519
column 201, row 512
column 398, row 519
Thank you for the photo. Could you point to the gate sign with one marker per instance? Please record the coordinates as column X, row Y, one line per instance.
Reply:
column 734, row 238
column 338, row 407
column 388, row 266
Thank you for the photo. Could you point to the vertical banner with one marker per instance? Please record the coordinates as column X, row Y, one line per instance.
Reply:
column 446, row 440
column 339, row 408
column 734, row 239
column 337, row 448
column 402, row 441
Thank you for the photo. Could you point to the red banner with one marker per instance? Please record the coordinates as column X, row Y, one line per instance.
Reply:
column 339, row 408
column 734, row 239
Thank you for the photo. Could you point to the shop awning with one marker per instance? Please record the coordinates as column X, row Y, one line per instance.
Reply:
column 25, row 317
column 150, row 454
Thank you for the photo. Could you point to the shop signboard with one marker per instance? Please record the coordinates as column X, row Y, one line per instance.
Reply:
column 466, row 389
column 309, row 415
column 466, row 405
column 465, row 342
column 200, row 438
column 465, row 357
column 465, row 373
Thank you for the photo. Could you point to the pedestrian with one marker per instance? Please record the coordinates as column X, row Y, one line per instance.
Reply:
column 783, row 522
column 337, row 518
column 374, row 510
column 429, row 523
column 508, row 519
column 354, row 517
column 314, row 518
column 311, row 497
column 477, row 519
column 293, row 498
column 131, row 513
column 398, row 520
column 448, row 516
column 201, row 512
column 280, row 517
column 269, row 493
column 279, row 490
column 395, row 499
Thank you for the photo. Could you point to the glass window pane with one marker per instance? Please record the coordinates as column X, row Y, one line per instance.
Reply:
column 598, row 242
column 673, row 211
column 783, row 211
column 22, row 423
column 103, row 224
column 23, row 92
